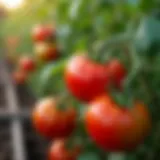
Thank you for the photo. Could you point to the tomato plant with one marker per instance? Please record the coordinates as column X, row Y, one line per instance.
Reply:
column 114, row 128
column 52, row 122
column 85, row 79
column 127, row 31
column 59, row 151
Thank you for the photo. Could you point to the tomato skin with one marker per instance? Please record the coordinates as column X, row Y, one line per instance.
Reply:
column 27, row 64
column 19, row 77
column 52, row 122
column 117, row 72
column 59, row 151
column 42, row 33
column 46, row 52
column 85, row 79
column 114, row 128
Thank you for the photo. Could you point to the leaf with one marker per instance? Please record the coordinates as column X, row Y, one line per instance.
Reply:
column 48, row 76
column 148, row 34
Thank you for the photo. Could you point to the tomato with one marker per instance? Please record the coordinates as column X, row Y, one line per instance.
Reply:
column 43, row 33
column 19, row 77
column 59, row 151
column 117, row 72
column 114, row 128
column 46, row 52
column 52, row 122
column 85, row 79
column 27, row 64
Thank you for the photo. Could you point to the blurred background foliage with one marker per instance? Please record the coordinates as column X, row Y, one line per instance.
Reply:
column 128, row 29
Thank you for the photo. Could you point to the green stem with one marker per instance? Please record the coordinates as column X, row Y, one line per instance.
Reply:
column 136, row 69
column 117, row 41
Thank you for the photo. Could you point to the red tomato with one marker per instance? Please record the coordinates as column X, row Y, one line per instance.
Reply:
column 43, row 33
column 52, row 122
column 27, row 64
column 46, row 52
column 19, row 77
column 59, row 151
column 86, row 79
column 114, row 128
column 117, row 72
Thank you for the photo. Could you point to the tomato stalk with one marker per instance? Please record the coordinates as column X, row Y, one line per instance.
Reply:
column 118, row 41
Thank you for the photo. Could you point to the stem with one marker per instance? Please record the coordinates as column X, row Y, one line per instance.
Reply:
column 116, row 42
column 136, row 69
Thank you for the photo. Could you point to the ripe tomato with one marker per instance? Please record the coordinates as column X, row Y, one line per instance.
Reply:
column 117, row 72
column 86, row 79
column 19, row 77
column 43, row 33
column 114, row 128
column 46, row 52
column 52, row 122
column 27, row 64
column 59, row 151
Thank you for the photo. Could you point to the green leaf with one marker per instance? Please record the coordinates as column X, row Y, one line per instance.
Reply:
column 50, row 76
column 148, row 34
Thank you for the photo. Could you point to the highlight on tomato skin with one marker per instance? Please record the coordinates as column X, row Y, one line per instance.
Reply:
column 59, row 151
column 85, row 79
column 52, row 122
column 117, row 129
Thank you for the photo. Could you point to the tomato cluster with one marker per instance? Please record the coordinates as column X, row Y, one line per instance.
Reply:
column 86, row 79
column 112, row 127
column 25, row 66
column 45, row 49
column 54, row 123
